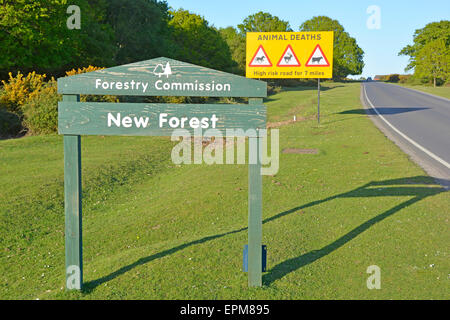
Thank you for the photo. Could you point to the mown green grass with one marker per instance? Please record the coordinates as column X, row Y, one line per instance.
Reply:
column 155, row 230
column 443, row 91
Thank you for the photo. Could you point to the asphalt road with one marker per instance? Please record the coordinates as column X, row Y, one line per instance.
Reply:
column 419, row 121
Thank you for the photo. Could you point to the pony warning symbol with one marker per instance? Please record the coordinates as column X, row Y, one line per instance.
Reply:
column 288, row 59
column 294, row 55
column 260, row 59
column 318, row 58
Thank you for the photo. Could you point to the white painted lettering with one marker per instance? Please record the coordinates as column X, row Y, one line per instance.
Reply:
column 214, row 120
column 141, row 122
column 194, row 123
column 162, row 119
column 112, row 119
column 127, row 122
column 174, row 122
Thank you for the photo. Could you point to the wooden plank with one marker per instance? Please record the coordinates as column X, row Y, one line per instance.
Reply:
column 92, row 118
column 73, row 212
column 184, row 79
column 254, row 209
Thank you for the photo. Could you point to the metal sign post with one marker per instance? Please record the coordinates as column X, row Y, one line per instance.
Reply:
column 318, row 101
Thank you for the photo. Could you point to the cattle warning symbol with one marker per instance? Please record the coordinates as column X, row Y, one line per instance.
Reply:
column 317, row 58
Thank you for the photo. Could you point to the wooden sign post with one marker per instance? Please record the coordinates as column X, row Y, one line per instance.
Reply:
column 156, row 77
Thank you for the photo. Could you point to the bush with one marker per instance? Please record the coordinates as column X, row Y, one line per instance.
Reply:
column 393, row 78
column 439, row 82
column 413, row 80
column 404, row 78
column 35, row 102
column 9, row 123
column 272, row 89
column 18, row 89
column 424, row 81
column 40, row 112
column 82, row 70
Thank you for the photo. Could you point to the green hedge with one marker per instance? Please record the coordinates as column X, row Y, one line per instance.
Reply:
column 10, row 124
column 41, row 110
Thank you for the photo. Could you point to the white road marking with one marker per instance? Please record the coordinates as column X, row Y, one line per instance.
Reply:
column 404, row 136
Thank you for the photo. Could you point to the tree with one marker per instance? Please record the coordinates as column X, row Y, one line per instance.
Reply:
column 159, row 70
column 348, row 56
column 433, row 61
column 258, row 22
column 34, row 36
column 141, row 29
column 167, row 70
column 198, row 42
column 263, row 22
column 236, row 43
column 432, row 31
column 393, row 78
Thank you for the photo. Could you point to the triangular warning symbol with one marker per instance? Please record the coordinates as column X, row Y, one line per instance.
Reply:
column 317, row 58
column 260, row 59
column 289, row 59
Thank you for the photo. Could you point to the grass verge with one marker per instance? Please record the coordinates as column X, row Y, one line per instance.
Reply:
column 154, row 230
column 438, row 91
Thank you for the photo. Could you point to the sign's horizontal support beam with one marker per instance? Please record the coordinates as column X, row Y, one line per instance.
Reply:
column 144, row 119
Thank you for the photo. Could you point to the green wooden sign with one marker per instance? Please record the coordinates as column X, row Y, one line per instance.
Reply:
column 140, row 119
column 156, row 77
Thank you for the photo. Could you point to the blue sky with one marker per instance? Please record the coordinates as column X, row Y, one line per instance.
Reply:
column 399, row 20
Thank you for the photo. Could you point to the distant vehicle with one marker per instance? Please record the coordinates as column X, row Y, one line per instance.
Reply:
column 369, row 79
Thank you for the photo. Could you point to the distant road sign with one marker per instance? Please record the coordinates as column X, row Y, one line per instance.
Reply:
column 296, row 54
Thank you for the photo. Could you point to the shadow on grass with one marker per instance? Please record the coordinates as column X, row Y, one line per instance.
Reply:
column 373, row 189
column 394, row 187
column 302, row 88
column 384, row 110
column 89, row 286
column 371, row 112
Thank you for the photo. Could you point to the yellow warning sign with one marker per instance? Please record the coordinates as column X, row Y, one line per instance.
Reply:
column 290, row 54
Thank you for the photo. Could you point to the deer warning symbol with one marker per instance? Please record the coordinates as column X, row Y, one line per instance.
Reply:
column 317, row 58
column 260, row 59
column 289, row 59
